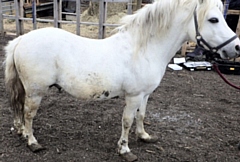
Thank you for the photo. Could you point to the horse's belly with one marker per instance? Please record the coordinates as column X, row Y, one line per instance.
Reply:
column 93, row 93
column 91, row 88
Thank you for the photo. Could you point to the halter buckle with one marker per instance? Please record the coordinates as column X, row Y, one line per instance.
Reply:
column 198, row 37
column 214, row 50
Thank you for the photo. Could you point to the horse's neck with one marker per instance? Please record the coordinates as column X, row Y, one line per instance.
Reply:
column 163, row 49
column 157, row 50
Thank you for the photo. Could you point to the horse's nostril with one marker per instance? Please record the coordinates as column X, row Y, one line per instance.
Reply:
column 237, row 47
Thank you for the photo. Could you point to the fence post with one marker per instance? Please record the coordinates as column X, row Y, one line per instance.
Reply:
column 129, row 7
column 78, row 17
column 34, row 14
column 60, row 12
column 102, row 18
column 18, row 14
column 139, row 4
column 56, row 13
column 1, row 18
column 21, row 14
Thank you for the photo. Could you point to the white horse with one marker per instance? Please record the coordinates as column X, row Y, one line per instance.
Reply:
column 132, row 62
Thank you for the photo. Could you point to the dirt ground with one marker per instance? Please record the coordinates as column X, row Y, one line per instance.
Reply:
column 195, row 115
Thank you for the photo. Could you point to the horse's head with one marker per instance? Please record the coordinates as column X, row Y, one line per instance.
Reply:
column 212, row 31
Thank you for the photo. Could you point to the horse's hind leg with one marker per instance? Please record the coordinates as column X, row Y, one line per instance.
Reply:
column 140, row 131
column 31, row 106
column 19, row 124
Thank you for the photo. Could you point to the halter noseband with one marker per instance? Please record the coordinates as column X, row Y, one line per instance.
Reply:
column 200, row 39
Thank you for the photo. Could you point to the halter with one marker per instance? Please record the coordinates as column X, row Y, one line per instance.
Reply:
column 200, row 39
column 212, row 50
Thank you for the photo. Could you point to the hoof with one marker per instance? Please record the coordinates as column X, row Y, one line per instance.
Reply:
column 129, row 156
column 19, row 133
column 35, row 147
column 22, row 138
column 152, row 139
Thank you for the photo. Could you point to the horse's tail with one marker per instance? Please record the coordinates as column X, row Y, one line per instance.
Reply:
column 13, row 83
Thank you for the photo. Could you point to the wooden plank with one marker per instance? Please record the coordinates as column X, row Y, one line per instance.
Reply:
column 129, row 7
column 139, row 4
column 238, row 27
column 69, row 13
column 233, row 12
column 41, row 7
column 57, row 16
column 38, row 20
column 21, row 14
column 59, row 12
column 2, row 36
column 34, row 14
column 60, row 21
column 111, row 25
column 17, row 17
column 1, row 19
column 102, row 18
column 2, row 39
column 12, row 17
column 78, row 17
column 74, row 22
column 134, row 5
column 116, row 1
column 56, row 13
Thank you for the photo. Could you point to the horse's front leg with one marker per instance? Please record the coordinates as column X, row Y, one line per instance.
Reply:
column 132, row 104
column 140, row 131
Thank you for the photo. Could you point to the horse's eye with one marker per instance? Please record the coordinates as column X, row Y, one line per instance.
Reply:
column 213, row 20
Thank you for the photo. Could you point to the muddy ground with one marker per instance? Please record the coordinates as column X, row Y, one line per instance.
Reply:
column 195, row 115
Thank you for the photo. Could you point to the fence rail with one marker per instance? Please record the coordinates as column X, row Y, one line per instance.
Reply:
column 18, row 6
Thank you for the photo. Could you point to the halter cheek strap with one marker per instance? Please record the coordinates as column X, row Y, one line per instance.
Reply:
column 200, row 39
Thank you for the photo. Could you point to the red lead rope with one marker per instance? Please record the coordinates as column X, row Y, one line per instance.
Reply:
column 225, row 80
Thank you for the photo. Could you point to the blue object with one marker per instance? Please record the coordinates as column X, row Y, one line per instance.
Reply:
column 226, row 8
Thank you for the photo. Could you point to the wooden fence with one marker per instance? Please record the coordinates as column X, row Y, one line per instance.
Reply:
column 57, row 15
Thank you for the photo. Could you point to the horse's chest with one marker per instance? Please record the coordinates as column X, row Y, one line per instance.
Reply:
column 145, row 81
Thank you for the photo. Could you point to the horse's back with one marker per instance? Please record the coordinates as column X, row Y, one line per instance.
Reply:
column 54, row 43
